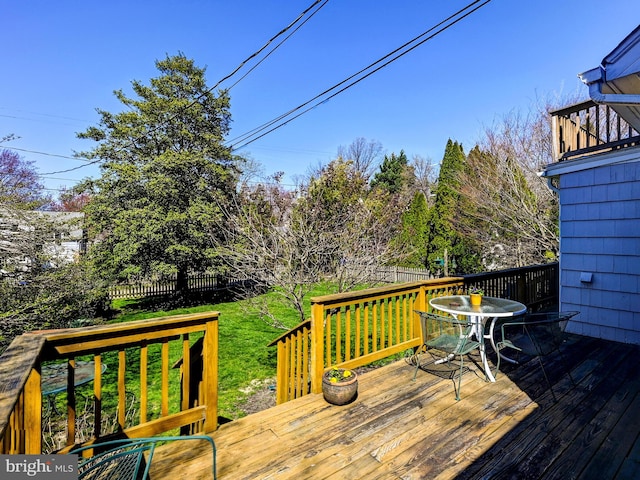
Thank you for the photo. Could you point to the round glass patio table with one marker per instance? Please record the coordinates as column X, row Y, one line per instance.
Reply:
column 490, row 308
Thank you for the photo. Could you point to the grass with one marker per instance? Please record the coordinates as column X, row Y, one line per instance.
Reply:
column 244, row 356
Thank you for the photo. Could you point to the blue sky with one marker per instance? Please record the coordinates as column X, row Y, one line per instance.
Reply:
column 62, row 60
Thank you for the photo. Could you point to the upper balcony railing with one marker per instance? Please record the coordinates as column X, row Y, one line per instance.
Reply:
column 588, row 128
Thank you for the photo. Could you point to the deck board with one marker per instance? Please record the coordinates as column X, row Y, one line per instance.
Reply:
column 401, row 429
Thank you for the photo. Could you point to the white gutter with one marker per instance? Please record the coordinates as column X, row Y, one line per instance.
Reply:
column 594, row 78
column 594, row 161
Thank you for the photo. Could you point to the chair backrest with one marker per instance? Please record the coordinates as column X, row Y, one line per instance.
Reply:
column 128, row 458
column 544, row 331
column 124, row 459
column 435, row 327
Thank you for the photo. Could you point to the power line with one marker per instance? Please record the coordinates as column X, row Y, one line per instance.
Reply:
column 285, row 118
column 44, row 153
column 199, row 97
column 283, row 31
column 39, row 114
column 92, row 162
column 279, row 44
column 63, row 179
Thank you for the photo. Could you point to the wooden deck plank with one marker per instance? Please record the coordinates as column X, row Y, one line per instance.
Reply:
column 612, row 453
column 591, row 443
column 631, row 465
column 398, row 428
column 518, row 446
column 460, row 428
column 544, row 442
column 349, row 426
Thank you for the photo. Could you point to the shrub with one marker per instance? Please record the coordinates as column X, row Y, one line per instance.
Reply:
column 51, row 298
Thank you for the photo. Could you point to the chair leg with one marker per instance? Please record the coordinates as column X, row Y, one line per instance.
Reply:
column 457, row 390
column 416, row 356
column 544, row 372
column 566, row 368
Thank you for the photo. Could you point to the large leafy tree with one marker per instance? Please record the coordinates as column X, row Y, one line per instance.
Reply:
column 156, row 209
column 20, row 185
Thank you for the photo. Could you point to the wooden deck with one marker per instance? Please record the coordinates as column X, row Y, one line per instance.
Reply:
column 400, row 429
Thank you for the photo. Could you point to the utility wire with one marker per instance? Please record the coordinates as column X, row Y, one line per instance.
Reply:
column 271, row 40
column 253, row 135
column 92, row 162
column 242, row 64
column 44, row 153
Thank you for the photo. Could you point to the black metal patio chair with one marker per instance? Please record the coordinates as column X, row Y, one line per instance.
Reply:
column 535, row 335
column 447, row 335
column 129, row 458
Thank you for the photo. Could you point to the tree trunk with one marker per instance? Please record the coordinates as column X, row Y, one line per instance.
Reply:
column 182, row 283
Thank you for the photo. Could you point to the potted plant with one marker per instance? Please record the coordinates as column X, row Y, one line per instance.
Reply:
column 339, row 386
column 475, row 296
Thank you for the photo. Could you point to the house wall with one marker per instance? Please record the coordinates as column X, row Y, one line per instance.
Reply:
column 600, row 238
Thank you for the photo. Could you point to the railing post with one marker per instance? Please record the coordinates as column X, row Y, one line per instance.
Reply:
column 556, row 138
column 421, row 304
column 282, row 374
column 210, row 353
column 317, row 347
column 522, row 288
column 33, row 413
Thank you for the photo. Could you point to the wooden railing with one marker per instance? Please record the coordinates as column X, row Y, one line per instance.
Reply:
column 536, row 286
column 140, row 356
column 589, row 128
column 353, row 329
column 294, row 360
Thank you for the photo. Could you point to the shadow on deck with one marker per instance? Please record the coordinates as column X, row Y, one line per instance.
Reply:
column 400, row 429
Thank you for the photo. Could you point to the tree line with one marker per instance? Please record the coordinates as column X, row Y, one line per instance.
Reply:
column 173, row 199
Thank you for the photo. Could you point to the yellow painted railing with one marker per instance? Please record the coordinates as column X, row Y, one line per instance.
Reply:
column 294, row 350
column 352, row 329
column 140, row 359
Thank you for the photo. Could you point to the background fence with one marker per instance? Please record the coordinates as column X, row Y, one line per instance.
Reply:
column 400, row 274
column 537, row 280
column 198, row 282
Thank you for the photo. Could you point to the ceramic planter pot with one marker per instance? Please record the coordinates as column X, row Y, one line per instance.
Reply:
column 340, row 393
column 476, row 299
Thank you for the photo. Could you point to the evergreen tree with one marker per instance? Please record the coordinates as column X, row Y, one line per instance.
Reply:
column 156, row 207
column 414, row 236
column 444, row 242
column 392, row 175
